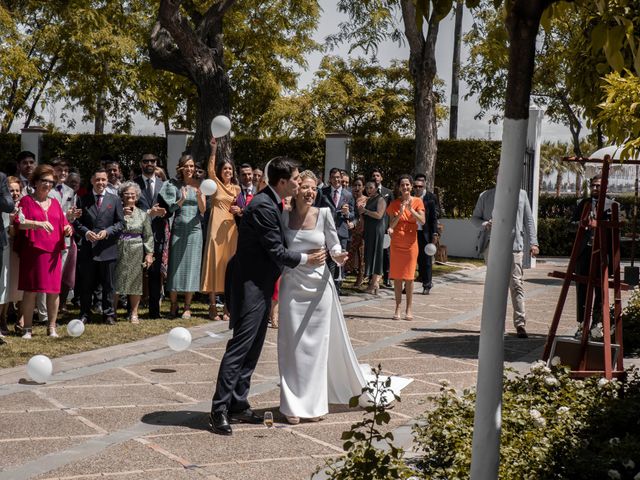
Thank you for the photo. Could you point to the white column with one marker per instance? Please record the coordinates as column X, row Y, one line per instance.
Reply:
column 176, row 145
column 534, row 140
column 31, row 140
column 336, row 153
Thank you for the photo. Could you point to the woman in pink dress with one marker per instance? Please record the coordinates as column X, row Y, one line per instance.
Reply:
column 42, row 227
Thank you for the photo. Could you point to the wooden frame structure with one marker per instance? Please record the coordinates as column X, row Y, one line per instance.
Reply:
column 605, row 231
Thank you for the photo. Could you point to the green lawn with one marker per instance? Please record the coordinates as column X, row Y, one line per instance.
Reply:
column 16, row 351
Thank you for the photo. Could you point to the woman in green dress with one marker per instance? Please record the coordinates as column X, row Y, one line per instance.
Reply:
column 185, row 201
column 135, row 248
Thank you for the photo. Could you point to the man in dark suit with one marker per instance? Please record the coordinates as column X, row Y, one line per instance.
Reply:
column 426, row 233
column 340, row 201
column 6, row 206
column 150, row 186
column 376, row 176
column 260, row 257
column 98, row 227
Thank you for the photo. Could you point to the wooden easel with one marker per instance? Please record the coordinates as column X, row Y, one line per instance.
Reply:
column 603, row 231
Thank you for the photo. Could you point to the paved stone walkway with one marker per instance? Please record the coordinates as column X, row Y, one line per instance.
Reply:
column 138, row 411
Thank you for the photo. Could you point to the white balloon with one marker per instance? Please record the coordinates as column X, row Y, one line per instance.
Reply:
column 208, row 187
column 430, row 249
column 386, row 241
column 179, row 339
column 75, row 328
column 220, row 126
column 40, row 368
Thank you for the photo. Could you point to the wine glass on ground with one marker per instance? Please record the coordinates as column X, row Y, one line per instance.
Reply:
column 268, row 419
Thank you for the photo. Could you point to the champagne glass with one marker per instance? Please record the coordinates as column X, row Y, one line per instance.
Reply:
column 268, row 419
column 338, row 257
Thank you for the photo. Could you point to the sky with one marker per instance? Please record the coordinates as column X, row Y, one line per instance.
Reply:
column 468, row 127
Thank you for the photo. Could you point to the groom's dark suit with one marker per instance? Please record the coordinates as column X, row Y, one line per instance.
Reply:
column 260, row 257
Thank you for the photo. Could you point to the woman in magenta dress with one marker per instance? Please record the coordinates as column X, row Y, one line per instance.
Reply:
column 42, row 227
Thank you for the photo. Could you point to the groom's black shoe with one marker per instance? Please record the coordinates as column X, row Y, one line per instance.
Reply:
column 219, row 423
column 245, row 416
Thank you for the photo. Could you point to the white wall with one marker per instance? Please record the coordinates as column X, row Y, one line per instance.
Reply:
column 460, row 236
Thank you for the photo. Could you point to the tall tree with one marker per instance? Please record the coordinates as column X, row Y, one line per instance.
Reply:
column 189, row 39
column 374, row 21
column 357, row 96
column 455, row 71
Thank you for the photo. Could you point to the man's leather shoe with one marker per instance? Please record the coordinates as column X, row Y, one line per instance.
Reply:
column 246, row 416
column 425, row 290
column 84, row 319
column 110, row 321
column 219, row 423
column 521, row 332
column 154, row 315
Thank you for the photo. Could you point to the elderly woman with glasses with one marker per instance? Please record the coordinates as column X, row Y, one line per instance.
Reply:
column 42, row 226
column 135, row 248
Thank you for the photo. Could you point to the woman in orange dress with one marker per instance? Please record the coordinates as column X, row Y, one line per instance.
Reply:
column 404, row 214
column 222, row 237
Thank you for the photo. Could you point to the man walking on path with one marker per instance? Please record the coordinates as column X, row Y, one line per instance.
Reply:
column 482, row 215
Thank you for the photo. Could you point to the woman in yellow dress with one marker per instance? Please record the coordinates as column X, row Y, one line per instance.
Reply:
column 222, row 235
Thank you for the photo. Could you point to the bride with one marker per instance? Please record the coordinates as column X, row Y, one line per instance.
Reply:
column 316, row 360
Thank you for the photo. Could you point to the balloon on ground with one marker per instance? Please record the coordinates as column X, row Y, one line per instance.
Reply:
column 220, row 126
column 179, row 339
column 75, row 328
column 40, row 368
column 208, row 187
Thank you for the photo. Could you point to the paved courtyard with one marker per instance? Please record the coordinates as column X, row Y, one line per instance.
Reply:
column 139, row 411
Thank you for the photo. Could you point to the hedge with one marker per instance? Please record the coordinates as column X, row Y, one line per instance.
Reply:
column 464, row 167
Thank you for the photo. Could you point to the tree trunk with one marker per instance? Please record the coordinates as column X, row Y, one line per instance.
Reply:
column 196, row 54
column 523, row 20
column 558, row 183
column 455, row 72
column 99, row 121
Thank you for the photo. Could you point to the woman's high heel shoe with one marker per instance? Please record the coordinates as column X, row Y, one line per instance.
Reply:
column 373, row 290
column 51, row 332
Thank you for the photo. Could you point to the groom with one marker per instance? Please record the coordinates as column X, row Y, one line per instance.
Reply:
column 260, row 257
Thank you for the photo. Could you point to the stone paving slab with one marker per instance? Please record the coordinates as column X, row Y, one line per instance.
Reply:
column 139, row 411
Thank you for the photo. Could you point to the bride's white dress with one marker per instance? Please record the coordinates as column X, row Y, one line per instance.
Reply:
column 317, row 363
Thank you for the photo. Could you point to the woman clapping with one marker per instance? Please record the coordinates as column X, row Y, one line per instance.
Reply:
column 135, row 248
column 42, row 227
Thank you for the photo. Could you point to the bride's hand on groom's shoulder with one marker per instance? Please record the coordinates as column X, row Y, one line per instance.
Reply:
column 316, row 257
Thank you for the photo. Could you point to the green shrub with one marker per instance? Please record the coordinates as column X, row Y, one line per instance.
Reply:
column 363, row 460
column 631, row 325
column 552, row 427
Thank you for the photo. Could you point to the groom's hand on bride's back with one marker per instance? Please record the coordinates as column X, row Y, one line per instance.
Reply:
column 316, row 257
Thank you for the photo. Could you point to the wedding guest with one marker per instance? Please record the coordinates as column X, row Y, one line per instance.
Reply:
column 160, row 173
column 74, row 180
column 7, row 206
column 404, row 214
column 355, row 263
column 376, row 176
column 223, row 231
column 14, row 295
column 150, row 185
column 43, row 226
column 346, row 180
column 256, row 177
column 186, row 203
column 27, row 163
column 247, row 189
column 67, row 199
column 135, row 248
column 98, row 227
column 112, row 166
column 373, row 213
column 340, row 201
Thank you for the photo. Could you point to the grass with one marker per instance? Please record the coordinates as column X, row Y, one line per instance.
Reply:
column 96, row 335
column 18, row 352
